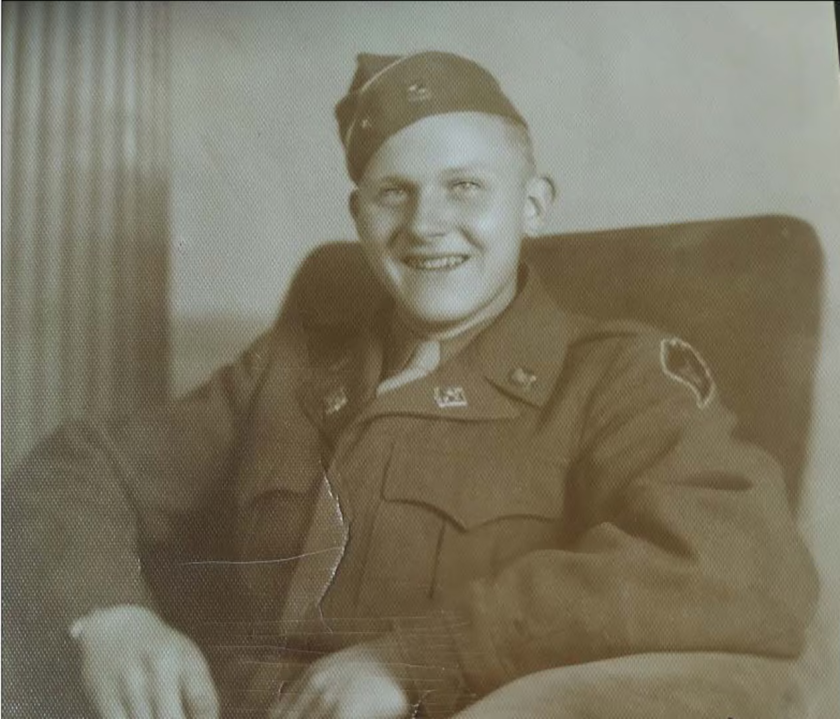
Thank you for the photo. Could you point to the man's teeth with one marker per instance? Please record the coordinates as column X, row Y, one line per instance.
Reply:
column 435, row 263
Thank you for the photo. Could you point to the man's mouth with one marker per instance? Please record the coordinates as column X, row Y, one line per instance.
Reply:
column 439, row 262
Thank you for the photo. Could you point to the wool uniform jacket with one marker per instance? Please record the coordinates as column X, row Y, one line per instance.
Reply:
column 560, row 491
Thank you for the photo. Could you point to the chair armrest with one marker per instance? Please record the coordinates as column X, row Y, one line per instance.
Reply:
column 653, row 686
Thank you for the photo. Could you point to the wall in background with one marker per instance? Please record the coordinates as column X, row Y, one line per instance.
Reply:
column 85, row 213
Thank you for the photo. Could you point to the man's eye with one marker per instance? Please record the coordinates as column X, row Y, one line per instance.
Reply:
column 392, row 195
column 466, row 187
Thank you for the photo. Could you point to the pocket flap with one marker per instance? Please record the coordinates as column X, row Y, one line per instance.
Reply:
column 472, row 485
column 288, row 464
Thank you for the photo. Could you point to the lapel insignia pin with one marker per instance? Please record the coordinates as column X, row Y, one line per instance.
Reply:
column 522, row 378
column 334, row 401
column 450, row 397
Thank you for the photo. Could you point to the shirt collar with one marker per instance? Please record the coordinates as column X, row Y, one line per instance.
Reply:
column 402, row 340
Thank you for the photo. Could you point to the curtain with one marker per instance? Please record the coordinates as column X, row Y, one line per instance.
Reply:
column 85, row 213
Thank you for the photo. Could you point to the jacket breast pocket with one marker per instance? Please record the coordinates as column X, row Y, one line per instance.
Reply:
column 498, row 498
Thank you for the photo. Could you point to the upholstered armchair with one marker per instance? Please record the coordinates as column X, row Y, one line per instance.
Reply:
column 746, row 293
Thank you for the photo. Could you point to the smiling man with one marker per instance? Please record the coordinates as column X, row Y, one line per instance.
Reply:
column 441, row 209
column 470, row 488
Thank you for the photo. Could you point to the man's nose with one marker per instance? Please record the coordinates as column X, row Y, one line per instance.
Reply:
column 430, row 215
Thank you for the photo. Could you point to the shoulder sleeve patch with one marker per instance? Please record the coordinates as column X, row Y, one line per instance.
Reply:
column 681, row 363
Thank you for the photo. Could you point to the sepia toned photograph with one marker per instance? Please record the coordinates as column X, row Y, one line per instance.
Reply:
column 442, row 360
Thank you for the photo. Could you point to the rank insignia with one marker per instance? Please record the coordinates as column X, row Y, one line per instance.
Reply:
column 523, row 378
column 450, row 397
column 681, row 363
column 335, row 401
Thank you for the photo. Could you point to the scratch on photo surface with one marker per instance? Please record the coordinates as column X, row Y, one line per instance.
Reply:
column 280, row 560
column 417, row 705
column 345, row 536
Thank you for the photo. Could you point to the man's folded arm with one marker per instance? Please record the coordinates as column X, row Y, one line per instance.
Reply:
column 78, row 508
column 684, row 542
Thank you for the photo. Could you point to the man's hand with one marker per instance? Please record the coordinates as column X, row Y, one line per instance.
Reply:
column 134, row 666
column 355, row 683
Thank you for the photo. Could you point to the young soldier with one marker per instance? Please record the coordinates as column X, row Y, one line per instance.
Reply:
column 472, row 487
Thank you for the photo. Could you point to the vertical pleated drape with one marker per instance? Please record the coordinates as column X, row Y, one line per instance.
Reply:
column 85, row 213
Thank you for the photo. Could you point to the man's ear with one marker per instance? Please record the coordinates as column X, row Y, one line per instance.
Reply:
column 353, row 204
column 540, row 193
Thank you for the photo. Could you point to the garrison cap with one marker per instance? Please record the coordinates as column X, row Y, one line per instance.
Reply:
column 390, row 92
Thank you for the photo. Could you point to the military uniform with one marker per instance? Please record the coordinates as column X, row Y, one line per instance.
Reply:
column 561, row 490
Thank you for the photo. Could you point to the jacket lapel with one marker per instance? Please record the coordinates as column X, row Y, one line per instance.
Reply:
column 516, row 359
column 522, row 353
column 346, row 363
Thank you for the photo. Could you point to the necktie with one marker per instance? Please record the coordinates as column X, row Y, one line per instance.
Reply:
column 423, row 361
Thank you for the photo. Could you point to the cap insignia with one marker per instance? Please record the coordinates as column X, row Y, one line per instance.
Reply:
column 418, row 92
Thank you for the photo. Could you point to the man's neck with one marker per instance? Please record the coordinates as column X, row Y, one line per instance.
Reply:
column 404, row 336
column 483, row 316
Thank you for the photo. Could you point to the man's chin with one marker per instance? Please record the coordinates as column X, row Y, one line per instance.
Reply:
column 429, row 321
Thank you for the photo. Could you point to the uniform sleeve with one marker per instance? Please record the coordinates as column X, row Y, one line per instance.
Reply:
column 683, row 541
column 78, row 509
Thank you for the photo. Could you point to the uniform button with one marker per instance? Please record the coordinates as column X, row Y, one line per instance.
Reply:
column 523, row 378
